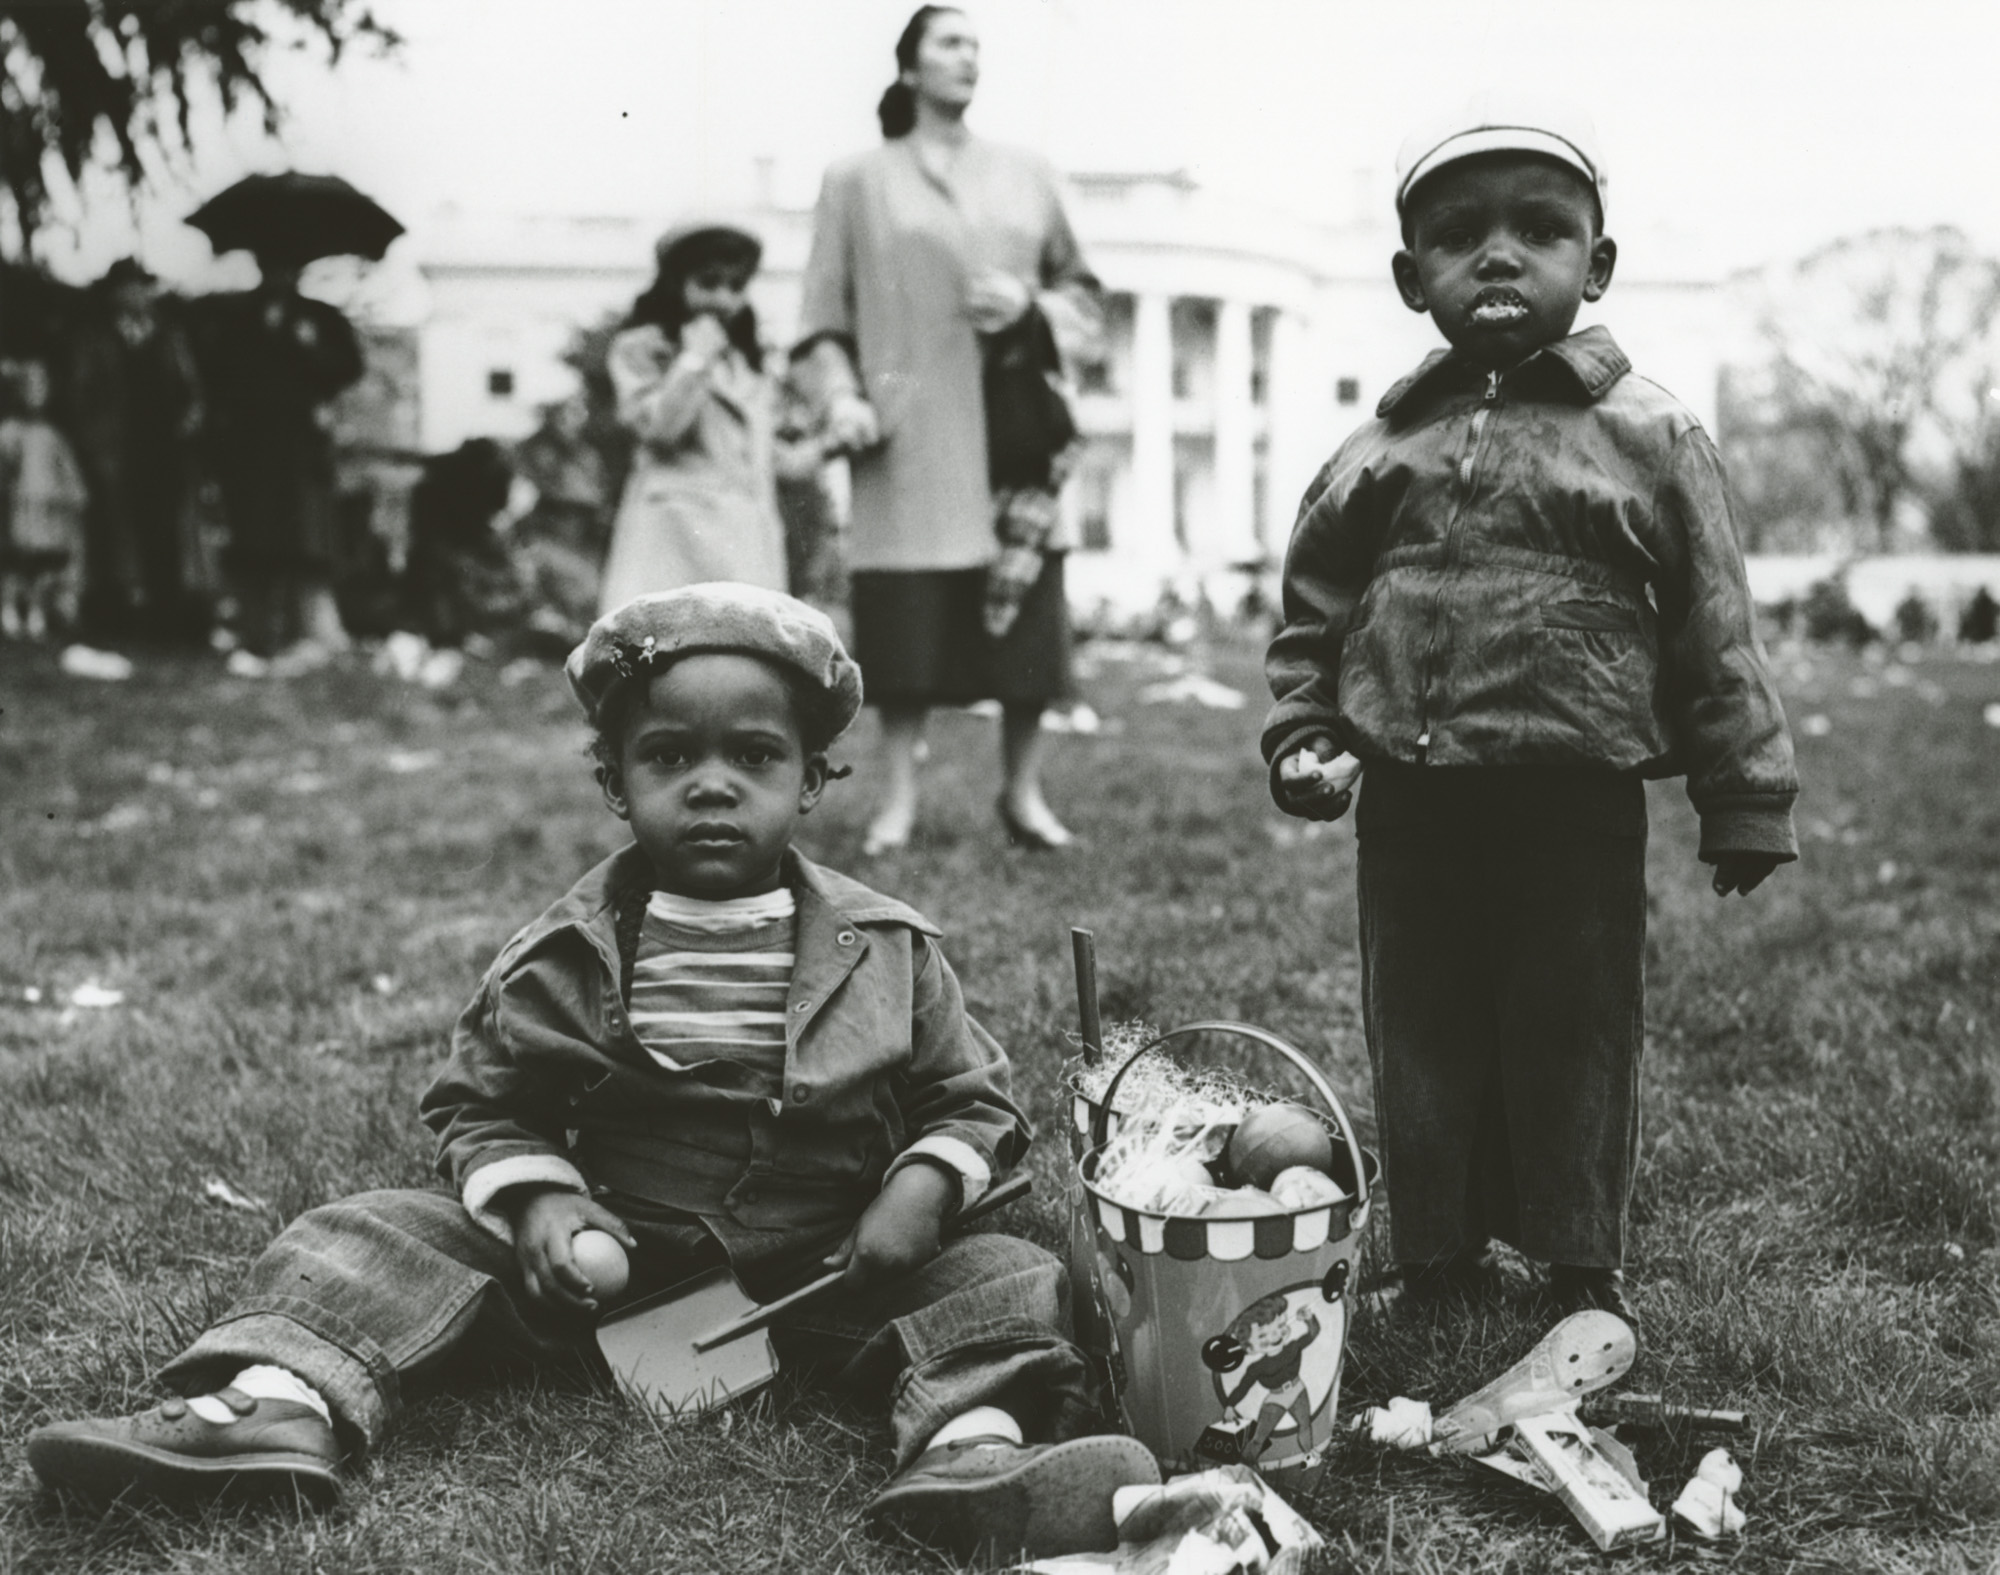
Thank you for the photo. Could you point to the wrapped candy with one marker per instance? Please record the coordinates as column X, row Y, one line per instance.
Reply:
column 1707, row 1505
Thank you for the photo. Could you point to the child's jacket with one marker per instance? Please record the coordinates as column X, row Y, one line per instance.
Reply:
column 880, row 1055
column 1536, row 567
column 701, row 502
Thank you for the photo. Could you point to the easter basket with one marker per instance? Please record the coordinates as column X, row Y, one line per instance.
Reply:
column 1222, row 1332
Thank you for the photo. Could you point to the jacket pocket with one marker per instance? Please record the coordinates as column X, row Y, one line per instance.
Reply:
column 1596, row 617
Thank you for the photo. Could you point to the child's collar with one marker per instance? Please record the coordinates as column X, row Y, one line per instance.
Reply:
column 1584, row 365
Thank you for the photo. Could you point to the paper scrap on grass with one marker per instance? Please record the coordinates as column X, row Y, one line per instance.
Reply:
column 1707, row 1505
column 216, row 1190
column 84, row 661
column 1992, row 714
column 120, row 817
column 410, row 657
column 93, row 997
column 1818, row 725
column 1401, row 1424
column 1193, row 688
column 1079, row 718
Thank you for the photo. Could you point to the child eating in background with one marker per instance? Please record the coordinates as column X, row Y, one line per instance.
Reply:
column 1512, row 597
column 701, row 502
column 717, row 1052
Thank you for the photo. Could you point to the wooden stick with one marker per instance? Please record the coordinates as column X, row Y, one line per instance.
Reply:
column 1652, row 1411
column 1015, row 1186
column 1083, row 947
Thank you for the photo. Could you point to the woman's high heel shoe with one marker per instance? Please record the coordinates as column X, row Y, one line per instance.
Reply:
column 1033, row 838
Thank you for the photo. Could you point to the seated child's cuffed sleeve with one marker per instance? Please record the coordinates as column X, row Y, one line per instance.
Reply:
column 1325, row 575
column 1728, row 721
column 956, row 1095
column 498, row 1121
column 955, row 1155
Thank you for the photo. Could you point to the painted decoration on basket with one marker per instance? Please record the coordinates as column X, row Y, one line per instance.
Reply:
column 1275, row 1370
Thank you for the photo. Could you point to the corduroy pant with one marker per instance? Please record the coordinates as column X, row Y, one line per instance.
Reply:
column 1503, row 933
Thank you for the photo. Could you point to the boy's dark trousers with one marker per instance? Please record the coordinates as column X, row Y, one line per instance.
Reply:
column 361, row 1296
column 1503, row 932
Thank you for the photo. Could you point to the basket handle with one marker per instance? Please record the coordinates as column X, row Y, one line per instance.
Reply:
column 1100, row 1121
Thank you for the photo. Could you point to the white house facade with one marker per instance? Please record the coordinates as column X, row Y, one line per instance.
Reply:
column 1241, row 346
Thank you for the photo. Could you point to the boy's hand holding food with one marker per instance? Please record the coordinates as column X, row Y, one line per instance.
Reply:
column 899, row 1231
column 1317, row 781
column 544, row 1220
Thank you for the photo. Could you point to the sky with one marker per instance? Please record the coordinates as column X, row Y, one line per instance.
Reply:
column 1737, row 132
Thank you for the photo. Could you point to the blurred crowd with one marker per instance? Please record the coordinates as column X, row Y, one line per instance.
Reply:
column 168, row 477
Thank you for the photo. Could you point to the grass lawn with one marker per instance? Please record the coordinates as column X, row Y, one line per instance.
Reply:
column 295, row 887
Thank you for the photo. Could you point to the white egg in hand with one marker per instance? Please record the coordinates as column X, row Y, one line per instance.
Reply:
column 601, row 1260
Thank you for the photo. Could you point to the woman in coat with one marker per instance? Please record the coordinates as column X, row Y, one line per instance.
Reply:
column 922, row 248
column 701, row 500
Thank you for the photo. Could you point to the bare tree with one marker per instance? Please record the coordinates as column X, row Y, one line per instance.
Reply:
column 111, row 81
column 1882, row 348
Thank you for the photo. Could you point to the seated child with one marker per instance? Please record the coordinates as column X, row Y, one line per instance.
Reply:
column 757, row 1062
column 1512, row 597
column 41, row 544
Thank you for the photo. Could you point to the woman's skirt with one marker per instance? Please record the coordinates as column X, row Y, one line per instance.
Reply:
column 920, row 638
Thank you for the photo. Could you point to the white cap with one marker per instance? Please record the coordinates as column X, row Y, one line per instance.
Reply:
column 1504, row 123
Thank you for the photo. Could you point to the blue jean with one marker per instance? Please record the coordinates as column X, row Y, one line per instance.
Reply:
column 359, row 1296
column 1503, row 936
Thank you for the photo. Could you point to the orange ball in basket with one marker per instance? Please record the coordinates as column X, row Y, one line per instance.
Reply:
column 1274, row 1138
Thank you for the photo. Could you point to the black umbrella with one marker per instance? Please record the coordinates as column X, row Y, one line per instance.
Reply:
column 297, row 218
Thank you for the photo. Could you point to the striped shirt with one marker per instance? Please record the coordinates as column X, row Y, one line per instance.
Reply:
column 709, row 984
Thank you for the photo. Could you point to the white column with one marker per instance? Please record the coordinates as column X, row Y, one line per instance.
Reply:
column 1231, row 537
column 1297, row 419
column 1152, row 513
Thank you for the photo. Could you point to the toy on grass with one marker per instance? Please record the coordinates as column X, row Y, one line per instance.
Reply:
column 1579, row 1356
column 1276, row 1138
column 601, row 1260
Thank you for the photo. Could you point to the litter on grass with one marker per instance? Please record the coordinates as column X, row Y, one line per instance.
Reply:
column 85, row 661
column 1992, row 714
column 93, row 997
column 409, row 656
column 1525, row 1425
column 1193, row 688
column 1707, row 1505
column 216, row 1190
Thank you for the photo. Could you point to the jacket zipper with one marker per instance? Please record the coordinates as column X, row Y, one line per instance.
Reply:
column 1468, row 473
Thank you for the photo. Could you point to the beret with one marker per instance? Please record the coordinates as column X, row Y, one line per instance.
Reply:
column 723, row 234
column 1505, row 123
column 649, row 632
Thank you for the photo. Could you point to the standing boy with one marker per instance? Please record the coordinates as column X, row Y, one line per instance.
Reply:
column 717, row 1052
column 1513, row 596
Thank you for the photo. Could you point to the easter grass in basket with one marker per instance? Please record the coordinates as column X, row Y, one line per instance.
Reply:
column 1158, row 1084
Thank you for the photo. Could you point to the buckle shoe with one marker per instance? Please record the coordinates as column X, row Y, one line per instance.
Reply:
column 266, row 1446
column 990, row 1497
